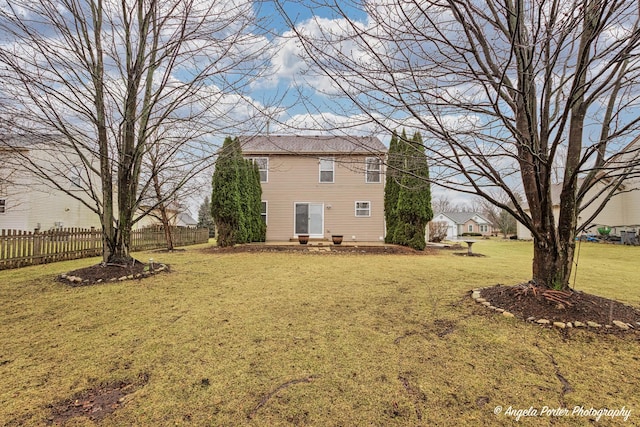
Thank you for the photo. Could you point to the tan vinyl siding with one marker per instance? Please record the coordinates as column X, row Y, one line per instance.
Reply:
column 297, row 179
column 621, row 210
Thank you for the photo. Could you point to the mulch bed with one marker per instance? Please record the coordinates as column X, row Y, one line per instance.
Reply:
column 102, row 272
column 526, row 301
column 320, row 249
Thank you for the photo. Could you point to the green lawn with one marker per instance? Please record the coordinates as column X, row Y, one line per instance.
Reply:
column 294, row 339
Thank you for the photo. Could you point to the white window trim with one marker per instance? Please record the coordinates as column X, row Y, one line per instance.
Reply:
column 356, row 209
column 314, row 236
column 266, row 211
column 333, row 170
column 253, row 160
column 366, row 170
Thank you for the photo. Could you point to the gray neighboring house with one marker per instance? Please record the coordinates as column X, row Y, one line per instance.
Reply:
column 464, row 222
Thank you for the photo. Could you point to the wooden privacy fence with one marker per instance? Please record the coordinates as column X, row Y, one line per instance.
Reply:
column 21, row 248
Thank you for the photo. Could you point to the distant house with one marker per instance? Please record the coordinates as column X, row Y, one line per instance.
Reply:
column 29, row 201
column 177, row 216
column 622, row 211
column 320, row 186
column 464, row 222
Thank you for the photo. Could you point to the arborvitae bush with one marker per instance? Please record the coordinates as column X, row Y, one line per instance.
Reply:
column 236, row 197
column 408, row 217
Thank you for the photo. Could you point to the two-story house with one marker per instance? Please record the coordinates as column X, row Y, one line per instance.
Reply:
column 32, row 199
column 320, row 186
column 44, row 186
column 621, row 212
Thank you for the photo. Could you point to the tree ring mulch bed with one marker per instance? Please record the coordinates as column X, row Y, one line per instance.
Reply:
column 569, row 308
column 105, row 272
column 315, row 248
column 95, row 403
column 473, row 254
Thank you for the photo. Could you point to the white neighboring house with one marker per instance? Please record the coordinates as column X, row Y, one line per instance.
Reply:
column 29, row 202
column 463, row 222
column 622, row 211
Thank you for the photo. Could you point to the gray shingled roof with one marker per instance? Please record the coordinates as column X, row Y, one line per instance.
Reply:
column 302, row 144
column 461, row 217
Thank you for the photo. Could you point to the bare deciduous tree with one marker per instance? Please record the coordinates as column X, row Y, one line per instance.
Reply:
column 106, row 77
column 438, row 231
column 501, row 220
column 504, row 94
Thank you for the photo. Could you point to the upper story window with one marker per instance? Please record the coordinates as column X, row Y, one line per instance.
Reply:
column 263, row 167
column 75, row 179
column 373, row 169
column 327, row 169
column 3, row 206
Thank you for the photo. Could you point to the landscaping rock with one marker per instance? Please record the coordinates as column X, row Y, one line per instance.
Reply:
column 480, row 300
column 593, row 324
column 507, row 314
column 543, row 321
column 579, row 324
column 560, row 325
column 621, row 325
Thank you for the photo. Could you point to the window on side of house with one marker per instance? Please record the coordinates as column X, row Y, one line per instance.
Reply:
column 263, row 167
column 263, row 211
column 3, row 206
column 470, row 228
column 373, row 169
column 75, row 179
column 363, row 209
column 484, row 228
column 327, row 170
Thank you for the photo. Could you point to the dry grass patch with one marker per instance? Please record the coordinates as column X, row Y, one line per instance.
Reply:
column 294, row 339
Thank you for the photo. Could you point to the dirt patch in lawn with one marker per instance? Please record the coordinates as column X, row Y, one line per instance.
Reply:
column 533, row 303
column 96, row 403
column 105, row 272
column 322, row 249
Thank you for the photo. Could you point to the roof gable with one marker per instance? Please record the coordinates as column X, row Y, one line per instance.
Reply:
column 301, row 144
column 463, row 217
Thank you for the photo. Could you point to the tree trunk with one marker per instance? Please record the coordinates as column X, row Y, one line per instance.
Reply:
column 552, row 263
column 162, row 207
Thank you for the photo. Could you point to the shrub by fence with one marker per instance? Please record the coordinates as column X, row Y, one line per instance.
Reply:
column 21, row 248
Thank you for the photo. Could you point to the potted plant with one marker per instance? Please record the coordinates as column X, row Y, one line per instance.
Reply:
column 337, row 238
column 303, row 239
column 604, row 230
